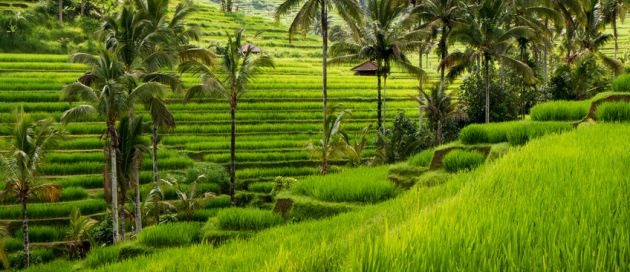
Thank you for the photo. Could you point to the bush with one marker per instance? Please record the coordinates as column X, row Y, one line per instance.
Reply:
column 102, row 233
column 621, row 83
column 423, row 158
column 170, row 235
column 460, row 160
column 504, row 104
column 581, row 80
column 498, row 132
column 366, row 185
column 247, row 219
column 214, row 173
column 560, row 111
column 614, row 112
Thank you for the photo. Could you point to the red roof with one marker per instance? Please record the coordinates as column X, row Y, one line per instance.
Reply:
column 252, row 47
column 368, row 66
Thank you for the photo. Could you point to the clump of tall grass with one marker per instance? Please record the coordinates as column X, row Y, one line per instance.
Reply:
column 422, row 159
column 170, row 234
column 621, row 83
column 498, row 132
column 560, row 111
column 367, row 185
column 461, row 160
column 613, row 112
column 42, row 234
column 247, row 219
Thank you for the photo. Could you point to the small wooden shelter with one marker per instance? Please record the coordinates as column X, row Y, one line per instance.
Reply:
column 368, row 68
column 250, row 46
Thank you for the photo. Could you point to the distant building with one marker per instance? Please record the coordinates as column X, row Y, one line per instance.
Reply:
column 368, row 68
column 250, row 46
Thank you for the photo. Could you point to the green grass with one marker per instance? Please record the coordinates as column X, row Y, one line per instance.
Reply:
column 613, row 112
column 560, row 111
column 246, row 219
column 367, row 185
column 170, row 235
column 559, row 203
column 261, row 187
column 422, row 159
column 42, row 234
column 621, row 83
column 53, row 210
column 498, row 132
column 460, row 160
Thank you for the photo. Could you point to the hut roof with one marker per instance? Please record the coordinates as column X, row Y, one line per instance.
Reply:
column 252, row 47
column 368, row 66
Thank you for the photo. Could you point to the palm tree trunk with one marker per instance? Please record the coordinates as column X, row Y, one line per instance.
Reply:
column 114, row 182
column 487, row 75
column 444, row 46
column 615, row 34
column 82, row 8
column 154, row 139
column 233, row 148
column 420, row 88
column 27, row 252
column 438, row 133
column 137, row 210
column 385, row 100
column 379, row 103
column 324, row 21
column 60, row 12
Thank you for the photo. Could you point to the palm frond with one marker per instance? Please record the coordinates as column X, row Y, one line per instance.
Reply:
column 78, row 113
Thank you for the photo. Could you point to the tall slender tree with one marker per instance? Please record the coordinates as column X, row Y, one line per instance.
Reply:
column 307, row 15
column 31, row 141
column 383, row 40
column 489, row 39
column 105, row 94
column 615, row 10
column 240, row 68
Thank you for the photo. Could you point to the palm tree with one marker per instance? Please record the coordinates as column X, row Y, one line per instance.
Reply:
column 383, row 41
column 334, row 144
column 78, row 232
column 148, row 42
column 615, row 10
column 439, row 14
column 4, row 258
column 131, row 149
column 490, row 39
column 440, row 107
column 349, row 10
column 105, row 93
column 31, row 142
column 240, row 68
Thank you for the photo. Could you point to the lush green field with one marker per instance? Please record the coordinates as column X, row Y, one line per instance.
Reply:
column 564, row 207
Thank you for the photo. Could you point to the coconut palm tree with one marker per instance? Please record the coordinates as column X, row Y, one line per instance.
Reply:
column 240, row 68
column 131, row 150
column 439, row 107
column 382, row 40
column 78, row 232
column 443, row 15
column 488, row 38
column 4, row 258
column 105, row 94
column 31, row 141
column 613, row 11
column 306, row 17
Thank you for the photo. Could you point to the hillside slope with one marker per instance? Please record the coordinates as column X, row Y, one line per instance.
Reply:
column 559, row 203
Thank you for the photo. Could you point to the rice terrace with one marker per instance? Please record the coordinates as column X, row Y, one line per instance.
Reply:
column 314, row 135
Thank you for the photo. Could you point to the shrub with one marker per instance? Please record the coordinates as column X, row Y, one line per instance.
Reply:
column 560, row 110
column 614, row 112
column 247, row 219
column 170, row 235
column 367, row 185
column 422, row 159
column 621, row 83
column 460, row 160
